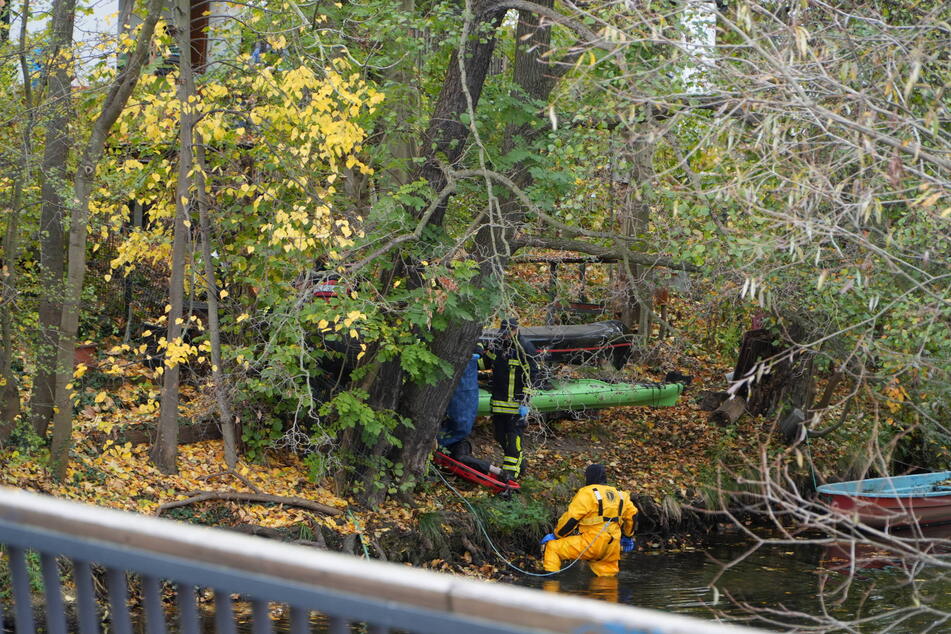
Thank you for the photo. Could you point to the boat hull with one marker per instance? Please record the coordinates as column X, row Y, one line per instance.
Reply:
column 885, row 512
column 585, row 394
column 583, row 344
column 891, row 502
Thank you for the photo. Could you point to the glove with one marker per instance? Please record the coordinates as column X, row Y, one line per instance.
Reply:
column 547, row 538
column 523, row 410
column 627, row 544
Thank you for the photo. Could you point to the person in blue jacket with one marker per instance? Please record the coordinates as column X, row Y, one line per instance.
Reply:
column 463, row 407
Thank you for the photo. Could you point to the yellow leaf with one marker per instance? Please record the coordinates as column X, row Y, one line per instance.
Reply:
column 146, row 333
column 242, row 317
column 102, row 396
column 223, row 293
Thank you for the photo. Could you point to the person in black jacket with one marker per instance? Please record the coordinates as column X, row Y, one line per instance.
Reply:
column 514, row 371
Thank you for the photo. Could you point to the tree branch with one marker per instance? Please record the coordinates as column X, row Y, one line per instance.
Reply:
column 556, row 17
column 580, row 246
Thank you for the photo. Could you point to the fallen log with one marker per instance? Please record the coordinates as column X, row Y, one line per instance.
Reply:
column 728, row 411
column 144, row 434
column 257, row 531
column 279, row 535
column 238, row 496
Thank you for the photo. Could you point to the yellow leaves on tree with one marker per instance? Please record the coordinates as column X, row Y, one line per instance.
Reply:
column 178, row 351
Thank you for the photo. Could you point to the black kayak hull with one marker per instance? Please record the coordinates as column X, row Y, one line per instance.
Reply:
column 577, row 344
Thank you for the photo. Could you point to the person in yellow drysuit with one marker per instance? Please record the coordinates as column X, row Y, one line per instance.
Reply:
column 604, row 519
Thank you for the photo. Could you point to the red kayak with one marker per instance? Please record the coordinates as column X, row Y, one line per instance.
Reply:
column 473, row 475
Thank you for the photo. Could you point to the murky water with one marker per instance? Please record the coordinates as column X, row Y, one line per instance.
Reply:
column 867, row 587
column 771, row 580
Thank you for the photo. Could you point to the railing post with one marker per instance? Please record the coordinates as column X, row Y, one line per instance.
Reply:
column 224, row 613
column 22, row 597
column 85, row 598
column 262, row 617
column 338, row 625
column 300, row 620
column 118, row 601
column 187, row 609
column 154, row 612
column 55, row 610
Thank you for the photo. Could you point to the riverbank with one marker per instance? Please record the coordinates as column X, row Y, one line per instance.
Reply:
column 667, row 458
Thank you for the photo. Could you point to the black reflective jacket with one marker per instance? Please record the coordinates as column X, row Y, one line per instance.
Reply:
column 514, row 368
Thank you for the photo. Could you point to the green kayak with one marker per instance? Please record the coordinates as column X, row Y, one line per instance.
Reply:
column 594, row 394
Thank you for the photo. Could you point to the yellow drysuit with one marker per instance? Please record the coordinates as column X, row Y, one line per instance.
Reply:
column 601, row 515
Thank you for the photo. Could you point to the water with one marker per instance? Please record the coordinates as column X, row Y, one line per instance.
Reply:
column 870, row 589
column 774, row 579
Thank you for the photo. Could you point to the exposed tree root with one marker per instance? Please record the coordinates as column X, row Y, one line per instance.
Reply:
column 237, row 496
column 234, row 474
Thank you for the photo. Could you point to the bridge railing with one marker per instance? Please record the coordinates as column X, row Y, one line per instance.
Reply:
column 73, row 541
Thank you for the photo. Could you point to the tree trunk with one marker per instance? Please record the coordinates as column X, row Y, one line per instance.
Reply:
column 729, row 411
column 446, row 135
column 425, row 405
column 6, row 10
column 636, row 311
column 757, row 345
column 211, row 289
column 9, row 391
column 444, row 140
column 53, row 196
column 399, row 138
column 115, row 101
column 165, row 451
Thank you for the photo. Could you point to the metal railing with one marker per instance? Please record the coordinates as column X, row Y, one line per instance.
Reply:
column 91, row 544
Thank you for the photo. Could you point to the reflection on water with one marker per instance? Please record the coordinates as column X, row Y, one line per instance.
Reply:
column 602, row 588
column 773, row 577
